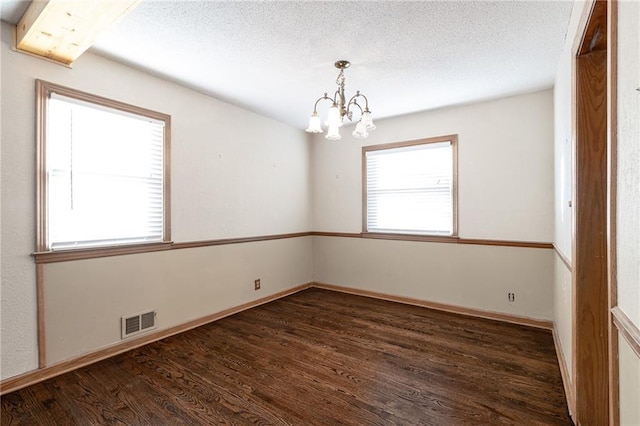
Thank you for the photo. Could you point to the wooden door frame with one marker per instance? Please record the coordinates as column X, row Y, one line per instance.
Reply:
column 591, row 237
column 612, row 150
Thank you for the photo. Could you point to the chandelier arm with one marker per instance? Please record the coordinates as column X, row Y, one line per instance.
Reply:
column 315, row 106
column 366, row 101
column 354, row 102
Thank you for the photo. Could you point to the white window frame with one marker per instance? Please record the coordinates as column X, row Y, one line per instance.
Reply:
column 44, row 91
column 453, row 139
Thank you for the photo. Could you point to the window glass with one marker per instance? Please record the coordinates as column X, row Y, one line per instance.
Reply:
column 410, row 189
column 105, row 175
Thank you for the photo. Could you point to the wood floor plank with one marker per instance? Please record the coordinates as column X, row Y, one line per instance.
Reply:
column 271, row 378
column 316, row 358
column 331, row 369
column 479, row 368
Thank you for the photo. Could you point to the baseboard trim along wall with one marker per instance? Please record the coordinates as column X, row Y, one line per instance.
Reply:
column 514, row 319
column 564, row 372
column 39, row 375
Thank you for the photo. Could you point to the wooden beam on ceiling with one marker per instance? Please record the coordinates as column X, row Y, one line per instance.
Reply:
column 61, row 30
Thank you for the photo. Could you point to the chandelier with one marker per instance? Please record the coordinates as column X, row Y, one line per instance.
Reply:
column 340, row 109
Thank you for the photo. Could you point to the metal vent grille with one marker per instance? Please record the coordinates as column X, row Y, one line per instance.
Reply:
column 132, row 325
column 147, row 320
column 138, row 323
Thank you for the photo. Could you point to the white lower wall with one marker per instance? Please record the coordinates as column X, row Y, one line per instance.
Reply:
column 629, row 367
column 563, row 310
column 85, row 299
column 473, row 276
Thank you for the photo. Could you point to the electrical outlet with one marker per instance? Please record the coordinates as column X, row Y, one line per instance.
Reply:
column 512, row 297
column 256, row 284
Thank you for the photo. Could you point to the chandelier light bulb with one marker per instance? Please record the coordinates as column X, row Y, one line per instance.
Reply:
column 361, row 131
column 367, row 120
column 333, row 117
column 333, row 134
column 314, row 124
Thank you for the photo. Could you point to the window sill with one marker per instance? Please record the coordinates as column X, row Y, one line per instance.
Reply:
column 92, row 253
column 411, row 237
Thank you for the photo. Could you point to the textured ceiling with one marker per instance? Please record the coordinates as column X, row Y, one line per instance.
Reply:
column 276, row 58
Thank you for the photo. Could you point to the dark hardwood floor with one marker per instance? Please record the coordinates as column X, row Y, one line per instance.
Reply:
column 315, row 358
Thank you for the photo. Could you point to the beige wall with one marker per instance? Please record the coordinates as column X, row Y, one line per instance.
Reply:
column 505, row 167
column 562, row 159
column 0, row 202
column 629, row 384
column 563, row 309
column 628, row 209
column 472, row 276
column 628, row 206
column 563, row 175
column 234, row 174
column 505, row 163
column 83, row 313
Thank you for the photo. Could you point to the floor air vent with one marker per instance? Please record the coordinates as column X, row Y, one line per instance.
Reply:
column 138, row 323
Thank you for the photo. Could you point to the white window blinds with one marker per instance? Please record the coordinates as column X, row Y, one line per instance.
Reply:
column 409, row 190
column 104, row 175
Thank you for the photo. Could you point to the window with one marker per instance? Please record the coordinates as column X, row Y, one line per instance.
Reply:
column 103, row 171
column 410, row 187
